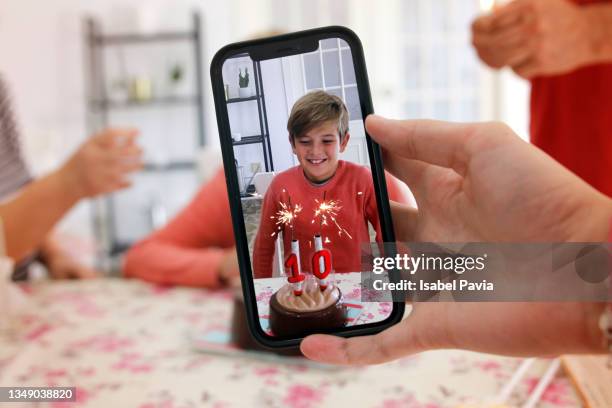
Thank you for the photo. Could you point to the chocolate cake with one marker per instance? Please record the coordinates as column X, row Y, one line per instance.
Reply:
column 315, row 310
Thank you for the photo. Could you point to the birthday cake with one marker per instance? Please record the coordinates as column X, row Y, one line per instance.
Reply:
column 313, row 310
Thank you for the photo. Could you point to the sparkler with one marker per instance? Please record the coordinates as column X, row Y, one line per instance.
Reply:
column 286, row 216
column 327, row 212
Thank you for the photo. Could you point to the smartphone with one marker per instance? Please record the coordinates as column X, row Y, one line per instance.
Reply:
column 306, row 185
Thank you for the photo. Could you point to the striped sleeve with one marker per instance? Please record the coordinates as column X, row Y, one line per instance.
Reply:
column 14, row 172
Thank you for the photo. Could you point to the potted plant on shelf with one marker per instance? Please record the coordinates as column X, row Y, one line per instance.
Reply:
column 176, row 80
column 243, row 83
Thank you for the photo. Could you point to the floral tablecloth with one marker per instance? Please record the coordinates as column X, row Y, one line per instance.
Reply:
column 130, row 344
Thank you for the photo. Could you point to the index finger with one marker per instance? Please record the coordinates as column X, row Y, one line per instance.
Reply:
column 443, row 144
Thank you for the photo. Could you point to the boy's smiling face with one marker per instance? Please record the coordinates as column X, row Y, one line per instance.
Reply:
column 318, row 149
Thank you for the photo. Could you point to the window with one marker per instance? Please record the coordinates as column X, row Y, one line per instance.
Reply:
column 330, row 68
column 420, row 61
column 441, row 74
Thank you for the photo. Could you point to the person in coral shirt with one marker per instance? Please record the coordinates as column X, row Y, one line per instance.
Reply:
column 318, row 133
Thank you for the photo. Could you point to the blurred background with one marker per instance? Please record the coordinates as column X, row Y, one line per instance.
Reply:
column 76, row 66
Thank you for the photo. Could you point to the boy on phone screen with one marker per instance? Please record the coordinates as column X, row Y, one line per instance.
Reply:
column 318, row 133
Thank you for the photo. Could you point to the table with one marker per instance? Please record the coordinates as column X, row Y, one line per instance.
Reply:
column 127, row 344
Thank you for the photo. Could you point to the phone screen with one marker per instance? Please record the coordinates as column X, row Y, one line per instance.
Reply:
column 307, row 194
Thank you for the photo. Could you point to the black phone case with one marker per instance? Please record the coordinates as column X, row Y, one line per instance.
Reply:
column 275, row 47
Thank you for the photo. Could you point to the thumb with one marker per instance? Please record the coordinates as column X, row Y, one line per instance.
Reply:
column 388, row 345
column 434, row 142
column 426, row 328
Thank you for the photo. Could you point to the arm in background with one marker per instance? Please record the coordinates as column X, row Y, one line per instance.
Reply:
column 191, row 248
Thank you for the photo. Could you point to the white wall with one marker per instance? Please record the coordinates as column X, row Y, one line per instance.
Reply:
column 278, row 113
column 514, row 102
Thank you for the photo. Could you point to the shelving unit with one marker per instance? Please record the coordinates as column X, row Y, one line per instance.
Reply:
column 101, row 106
column 264, row 137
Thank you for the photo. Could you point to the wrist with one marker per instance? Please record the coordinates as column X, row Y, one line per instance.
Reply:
column 228, row 269
column 48, row 251
column 52, row 252
column 68, row 182
column 222, row 278
column 592, row 223
column 596, row 228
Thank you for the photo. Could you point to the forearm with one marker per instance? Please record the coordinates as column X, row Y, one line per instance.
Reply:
column 593, row 219
column 168, row 264
column 31, row 215
column 599, row 19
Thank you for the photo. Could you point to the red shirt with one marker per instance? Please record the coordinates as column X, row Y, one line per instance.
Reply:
column 351, row 186
column 571, row 119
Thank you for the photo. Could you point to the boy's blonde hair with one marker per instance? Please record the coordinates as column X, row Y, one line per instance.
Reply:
column 314, row 109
